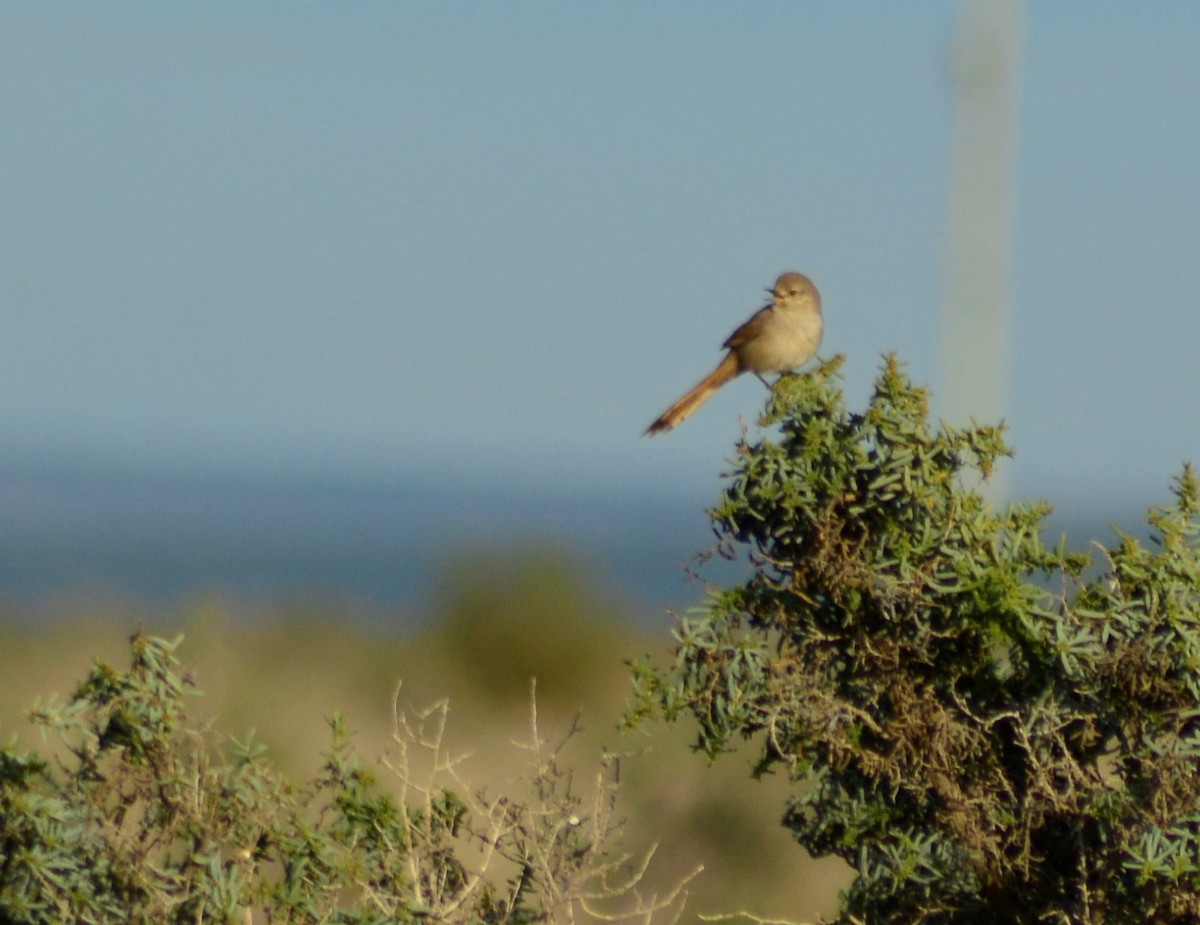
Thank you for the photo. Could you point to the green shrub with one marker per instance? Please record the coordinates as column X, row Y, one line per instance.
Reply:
column 140, row 817
column 981, row 730
column 523, row 614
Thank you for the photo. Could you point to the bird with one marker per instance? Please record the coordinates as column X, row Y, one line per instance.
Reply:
column 779, row 338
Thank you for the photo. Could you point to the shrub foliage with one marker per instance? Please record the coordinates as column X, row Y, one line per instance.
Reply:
column 987, row 730
column 145, row 818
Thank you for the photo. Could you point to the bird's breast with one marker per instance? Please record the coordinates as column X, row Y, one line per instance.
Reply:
column 784, row 343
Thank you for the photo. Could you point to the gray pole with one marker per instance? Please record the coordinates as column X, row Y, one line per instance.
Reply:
column 986, row 75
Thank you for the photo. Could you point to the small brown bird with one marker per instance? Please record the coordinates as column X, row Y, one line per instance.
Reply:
column 778, row 338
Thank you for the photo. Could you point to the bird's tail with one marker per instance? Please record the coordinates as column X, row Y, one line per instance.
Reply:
column 699, row 394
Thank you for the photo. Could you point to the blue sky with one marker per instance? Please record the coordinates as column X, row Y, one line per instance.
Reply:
column 494, row 240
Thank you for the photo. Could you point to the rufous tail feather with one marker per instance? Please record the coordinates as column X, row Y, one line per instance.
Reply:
column 699, row 394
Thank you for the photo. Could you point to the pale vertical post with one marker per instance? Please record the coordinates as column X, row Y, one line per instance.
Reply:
column 985, row 71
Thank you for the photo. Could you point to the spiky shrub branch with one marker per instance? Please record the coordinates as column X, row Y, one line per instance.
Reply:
column 147, row 819
column 984, row 733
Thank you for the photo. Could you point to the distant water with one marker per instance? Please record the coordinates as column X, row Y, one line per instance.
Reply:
column 81, row 532
column 384, row 545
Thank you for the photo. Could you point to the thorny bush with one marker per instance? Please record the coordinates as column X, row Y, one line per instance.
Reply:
column 985, row 729
column 146, row 819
